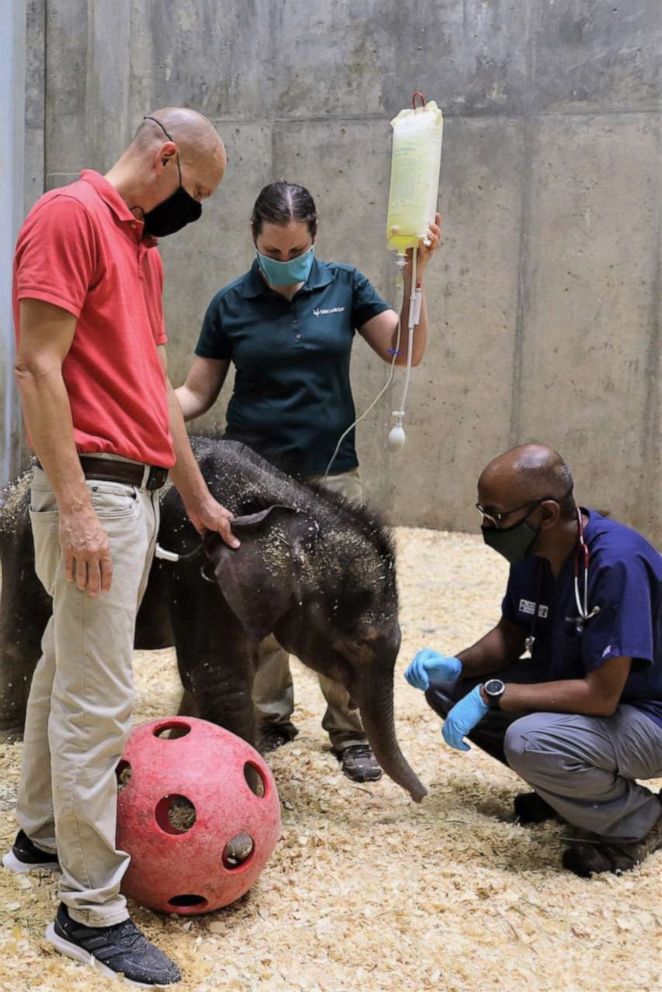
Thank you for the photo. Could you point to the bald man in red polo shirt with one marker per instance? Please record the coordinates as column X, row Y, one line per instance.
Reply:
column 106, row 429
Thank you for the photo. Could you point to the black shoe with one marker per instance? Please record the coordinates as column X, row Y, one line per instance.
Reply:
column 120, row 949
column 592, row 855
column 359, row 763
column 26, row 856
column 274, row 735
column 532, row 808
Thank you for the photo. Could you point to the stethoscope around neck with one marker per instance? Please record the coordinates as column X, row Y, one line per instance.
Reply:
column 582, row 561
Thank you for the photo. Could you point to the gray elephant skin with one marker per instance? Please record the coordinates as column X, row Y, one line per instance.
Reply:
column 316, row 572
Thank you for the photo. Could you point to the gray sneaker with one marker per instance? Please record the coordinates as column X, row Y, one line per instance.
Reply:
column 120, row 949
column 359, row 763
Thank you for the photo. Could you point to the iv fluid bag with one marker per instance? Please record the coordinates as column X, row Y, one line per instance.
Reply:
column 415, row 163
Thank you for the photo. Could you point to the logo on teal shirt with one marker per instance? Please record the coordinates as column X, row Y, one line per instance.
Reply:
column 319, row 312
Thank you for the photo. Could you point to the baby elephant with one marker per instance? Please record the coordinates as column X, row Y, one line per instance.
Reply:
column 316, row 572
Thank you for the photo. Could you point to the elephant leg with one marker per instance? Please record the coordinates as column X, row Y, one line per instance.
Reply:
column 216, row 660
column 153, row 630
column 188, row 705
column 24, row 612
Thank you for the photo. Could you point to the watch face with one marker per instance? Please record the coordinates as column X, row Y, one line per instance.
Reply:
column 494, row 687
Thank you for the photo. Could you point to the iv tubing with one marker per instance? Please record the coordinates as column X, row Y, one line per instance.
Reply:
column 414, row 306
column 374, row 402
column 414, row 313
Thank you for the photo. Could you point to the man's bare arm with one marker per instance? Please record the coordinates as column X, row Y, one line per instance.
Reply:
column 499, row 648
column 598, row 694
column 46, row 333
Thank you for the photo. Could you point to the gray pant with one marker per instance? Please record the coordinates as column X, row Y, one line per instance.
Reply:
column 273, row 691
column 81, row 698
column 583, row 766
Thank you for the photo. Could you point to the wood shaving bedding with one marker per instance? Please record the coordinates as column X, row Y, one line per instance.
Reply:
column 367, row 892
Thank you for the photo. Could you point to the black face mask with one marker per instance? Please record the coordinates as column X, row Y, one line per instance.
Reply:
column 514, row 543
column 174, row 213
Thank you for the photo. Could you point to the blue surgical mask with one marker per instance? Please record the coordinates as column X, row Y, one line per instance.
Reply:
column 286, row 273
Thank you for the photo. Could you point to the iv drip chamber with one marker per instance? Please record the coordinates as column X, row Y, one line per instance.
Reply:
column 397, row 437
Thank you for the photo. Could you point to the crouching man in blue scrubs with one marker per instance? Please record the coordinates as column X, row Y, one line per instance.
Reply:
column 579, row 717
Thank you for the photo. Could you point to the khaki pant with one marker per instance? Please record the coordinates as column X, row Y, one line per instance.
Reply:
column 81, row 699
column 273, row 692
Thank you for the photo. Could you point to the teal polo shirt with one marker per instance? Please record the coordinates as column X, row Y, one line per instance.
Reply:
column 292, row 397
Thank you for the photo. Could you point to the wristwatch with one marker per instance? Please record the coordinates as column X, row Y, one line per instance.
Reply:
column 494, row 690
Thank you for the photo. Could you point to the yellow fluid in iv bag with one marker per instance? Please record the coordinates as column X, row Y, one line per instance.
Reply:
column 415, row 164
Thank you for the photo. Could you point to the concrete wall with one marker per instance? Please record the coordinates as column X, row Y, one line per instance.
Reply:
column 13, row 23
column 545, row 296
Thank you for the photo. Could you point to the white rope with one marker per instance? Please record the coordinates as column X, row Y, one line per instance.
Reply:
column 373, row 404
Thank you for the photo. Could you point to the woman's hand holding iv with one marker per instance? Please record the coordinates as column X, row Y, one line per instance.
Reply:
column 426, row 247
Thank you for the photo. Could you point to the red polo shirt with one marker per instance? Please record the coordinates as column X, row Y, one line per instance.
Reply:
column 81, row 249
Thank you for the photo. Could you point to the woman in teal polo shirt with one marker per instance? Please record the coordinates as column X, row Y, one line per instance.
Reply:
column 288, row 325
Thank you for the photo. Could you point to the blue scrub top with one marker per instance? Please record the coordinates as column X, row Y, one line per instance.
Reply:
column 625, row 581
column 292, row 397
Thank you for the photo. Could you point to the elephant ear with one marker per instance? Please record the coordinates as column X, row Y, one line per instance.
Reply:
column 260, row 580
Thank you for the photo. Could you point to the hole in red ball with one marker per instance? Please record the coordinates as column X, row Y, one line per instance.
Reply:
column 187, row 900
column 254, row 779
column 123, row 773
column 238, row 850
column 172, row 730
column 175, row 814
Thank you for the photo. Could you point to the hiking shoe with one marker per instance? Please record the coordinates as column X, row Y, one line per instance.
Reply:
column 359, row 763
column 120, row 949
column 26, row 856
column 531, row 808
column 274, row 735
column 588, row 856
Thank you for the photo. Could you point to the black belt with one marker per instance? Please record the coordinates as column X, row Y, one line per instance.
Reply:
column 133, row 474
column 148, row 477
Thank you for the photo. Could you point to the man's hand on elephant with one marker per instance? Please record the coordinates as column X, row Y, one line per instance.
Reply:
column 85, row 550
column 462, row 719
column 429, row 664
column 212, row 516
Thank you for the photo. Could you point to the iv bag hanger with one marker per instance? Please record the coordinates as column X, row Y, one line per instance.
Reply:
column 415, row 165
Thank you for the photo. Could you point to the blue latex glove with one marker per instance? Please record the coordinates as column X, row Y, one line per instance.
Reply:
column 462, row 719
column 428, row 663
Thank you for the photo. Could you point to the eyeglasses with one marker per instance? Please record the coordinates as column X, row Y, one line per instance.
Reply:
column 496, row 517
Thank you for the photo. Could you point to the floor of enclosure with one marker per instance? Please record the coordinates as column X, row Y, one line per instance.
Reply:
column 366, row 891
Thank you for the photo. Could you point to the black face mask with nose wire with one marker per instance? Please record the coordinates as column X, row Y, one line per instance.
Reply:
column 177, row 211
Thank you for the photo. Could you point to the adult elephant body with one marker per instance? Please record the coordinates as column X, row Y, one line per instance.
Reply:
column 314, row 571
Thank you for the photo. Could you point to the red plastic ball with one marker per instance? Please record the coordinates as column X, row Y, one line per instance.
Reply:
column 198, row 812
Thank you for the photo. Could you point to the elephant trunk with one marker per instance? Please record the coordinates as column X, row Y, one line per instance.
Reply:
column 376, row 707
